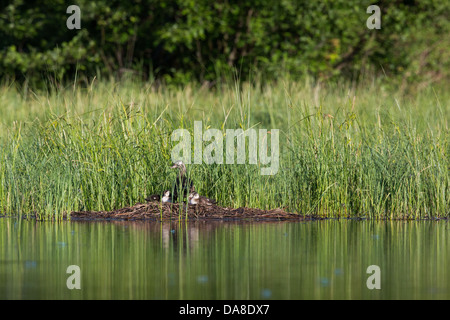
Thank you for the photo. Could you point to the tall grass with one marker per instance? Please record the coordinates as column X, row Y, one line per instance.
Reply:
column 345, row 150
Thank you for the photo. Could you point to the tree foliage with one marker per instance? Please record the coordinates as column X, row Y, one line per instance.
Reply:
column 185, row 40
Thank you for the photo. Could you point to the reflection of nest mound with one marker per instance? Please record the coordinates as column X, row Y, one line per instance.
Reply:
column 163, row 211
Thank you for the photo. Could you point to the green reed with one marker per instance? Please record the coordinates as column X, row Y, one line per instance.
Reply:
column 344, row 150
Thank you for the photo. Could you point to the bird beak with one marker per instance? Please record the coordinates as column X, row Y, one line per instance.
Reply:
column 173, row 167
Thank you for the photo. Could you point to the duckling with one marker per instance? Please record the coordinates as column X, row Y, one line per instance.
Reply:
column 156, row 197
column 182, row 183
column 191, row 199
column 153, row 197
column 195, row 198
column 166, row 197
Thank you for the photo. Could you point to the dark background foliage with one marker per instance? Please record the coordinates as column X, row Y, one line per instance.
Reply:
column 177, row 41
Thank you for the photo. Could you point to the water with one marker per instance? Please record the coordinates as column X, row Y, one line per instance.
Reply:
column 222, row 260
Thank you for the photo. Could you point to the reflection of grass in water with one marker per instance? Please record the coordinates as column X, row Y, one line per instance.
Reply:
column 358, row 152
column 141, row 260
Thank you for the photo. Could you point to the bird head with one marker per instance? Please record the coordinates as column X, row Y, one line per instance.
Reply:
column 177, row 164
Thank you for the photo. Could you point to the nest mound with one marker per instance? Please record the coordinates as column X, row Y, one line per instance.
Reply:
column 155, row 210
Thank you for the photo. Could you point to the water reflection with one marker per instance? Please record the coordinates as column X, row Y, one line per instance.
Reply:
column 224, row 260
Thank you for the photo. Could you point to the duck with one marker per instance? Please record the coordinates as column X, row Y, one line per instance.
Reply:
column 182, row 184
column 156, row 197
column 195, row 198
column 166, row 197
column 153, row 197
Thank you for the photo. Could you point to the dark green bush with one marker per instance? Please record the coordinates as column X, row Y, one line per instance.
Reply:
column 186, row 40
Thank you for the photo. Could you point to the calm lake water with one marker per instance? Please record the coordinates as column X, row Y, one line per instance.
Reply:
column 224, row 260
